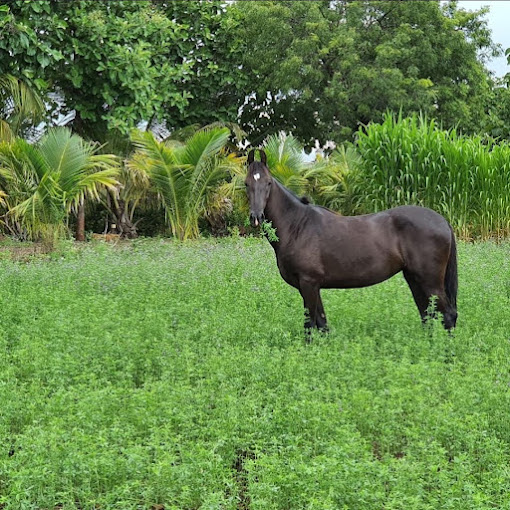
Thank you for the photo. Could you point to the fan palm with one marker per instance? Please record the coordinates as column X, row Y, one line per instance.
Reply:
column 184, row 176
column 43, row 183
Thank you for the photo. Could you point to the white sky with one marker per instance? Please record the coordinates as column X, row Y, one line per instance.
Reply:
column 499, row 23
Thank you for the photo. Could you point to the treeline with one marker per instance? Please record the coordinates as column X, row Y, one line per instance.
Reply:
column 135, row 82
column 194, row 187
column 316, row 69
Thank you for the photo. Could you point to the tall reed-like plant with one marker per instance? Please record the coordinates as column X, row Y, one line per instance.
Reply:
column 412, row 161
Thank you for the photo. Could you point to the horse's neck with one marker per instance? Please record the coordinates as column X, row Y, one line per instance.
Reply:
column 282, row 210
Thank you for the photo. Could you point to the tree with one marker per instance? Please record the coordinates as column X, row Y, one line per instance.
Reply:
column 119, row 63
column 319, row 69
column 498, row 109
column 184, row 176
column 44, row 183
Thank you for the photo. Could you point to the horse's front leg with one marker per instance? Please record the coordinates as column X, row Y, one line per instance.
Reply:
column 309, row 290
column 322, row 322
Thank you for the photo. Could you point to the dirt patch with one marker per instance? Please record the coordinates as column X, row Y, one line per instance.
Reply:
column 241, row 478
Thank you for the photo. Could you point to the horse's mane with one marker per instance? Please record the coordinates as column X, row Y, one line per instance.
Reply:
column 303, row 200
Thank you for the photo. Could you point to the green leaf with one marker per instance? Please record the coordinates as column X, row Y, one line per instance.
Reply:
column 23, row 40
column 44, row 60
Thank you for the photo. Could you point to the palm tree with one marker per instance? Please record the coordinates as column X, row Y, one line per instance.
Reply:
column 185, row 176
column 20, row 107
column 44, row 183
column 333, row 180
column 285, row 158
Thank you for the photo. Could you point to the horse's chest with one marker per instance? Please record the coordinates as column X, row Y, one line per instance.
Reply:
column 286, row 269
column 292, row 266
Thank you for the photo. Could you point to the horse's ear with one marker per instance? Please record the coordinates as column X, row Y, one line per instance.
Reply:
column 251, row 157
column 263, row 157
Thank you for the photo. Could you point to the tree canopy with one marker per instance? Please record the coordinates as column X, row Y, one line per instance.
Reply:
column 120, row 63
column 319, row 69
column 316, row 69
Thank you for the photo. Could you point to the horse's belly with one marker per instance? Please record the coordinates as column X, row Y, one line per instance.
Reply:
column 287, row 274
column 356, row 281
column 360, row 271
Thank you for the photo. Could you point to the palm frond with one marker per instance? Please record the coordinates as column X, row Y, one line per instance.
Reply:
column 6, row 133
column 20, row 103
column 286, row 160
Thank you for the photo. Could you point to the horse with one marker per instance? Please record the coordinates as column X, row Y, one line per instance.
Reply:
column 320, row 249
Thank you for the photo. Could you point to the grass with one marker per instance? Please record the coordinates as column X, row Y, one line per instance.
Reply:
column 162, row 375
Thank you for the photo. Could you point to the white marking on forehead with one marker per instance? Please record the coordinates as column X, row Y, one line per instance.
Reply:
column 256, row 177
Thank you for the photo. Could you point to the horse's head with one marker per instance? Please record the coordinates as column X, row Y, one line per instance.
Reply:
column 258, row 186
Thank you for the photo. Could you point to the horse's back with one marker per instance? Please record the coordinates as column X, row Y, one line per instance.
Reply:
column 363, row 250
column 420, row 228
column 406, row 217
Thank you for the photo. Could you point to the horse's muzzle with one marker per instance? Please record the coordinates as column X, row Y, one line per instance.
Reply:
column 256, row 219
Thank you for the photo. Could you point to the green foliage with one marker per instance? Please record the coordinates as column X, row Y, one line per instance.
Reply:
column 412, row 161
column 185, row 176
column 318, row 69
column 20, row 107
column 120, row 63
column 43, row 183
column 175, row 375
column 269, row 231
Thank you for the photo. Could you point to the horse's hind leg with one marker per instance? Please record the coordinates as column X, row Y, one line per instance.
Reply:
column 309, row 290
column 420, row 298
column 423, row 292
column 443, row 305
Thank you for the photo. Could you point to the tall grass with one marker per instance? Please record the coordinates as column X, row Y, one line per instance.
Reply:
column 413, row 161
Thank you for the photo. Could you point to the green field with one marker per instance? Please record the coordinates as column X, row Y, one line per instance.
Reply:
column 162, row 375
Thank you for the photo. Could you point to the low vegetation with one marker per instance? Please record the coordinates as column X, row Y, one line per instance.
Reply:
column 168, row 375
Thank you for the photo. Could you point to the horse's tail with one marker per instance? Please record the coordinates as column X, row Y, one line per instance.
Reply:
column 451, row 279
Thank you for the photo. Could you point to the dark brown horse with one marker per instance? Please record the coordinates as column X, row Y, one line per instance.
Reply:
column 319, row 249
